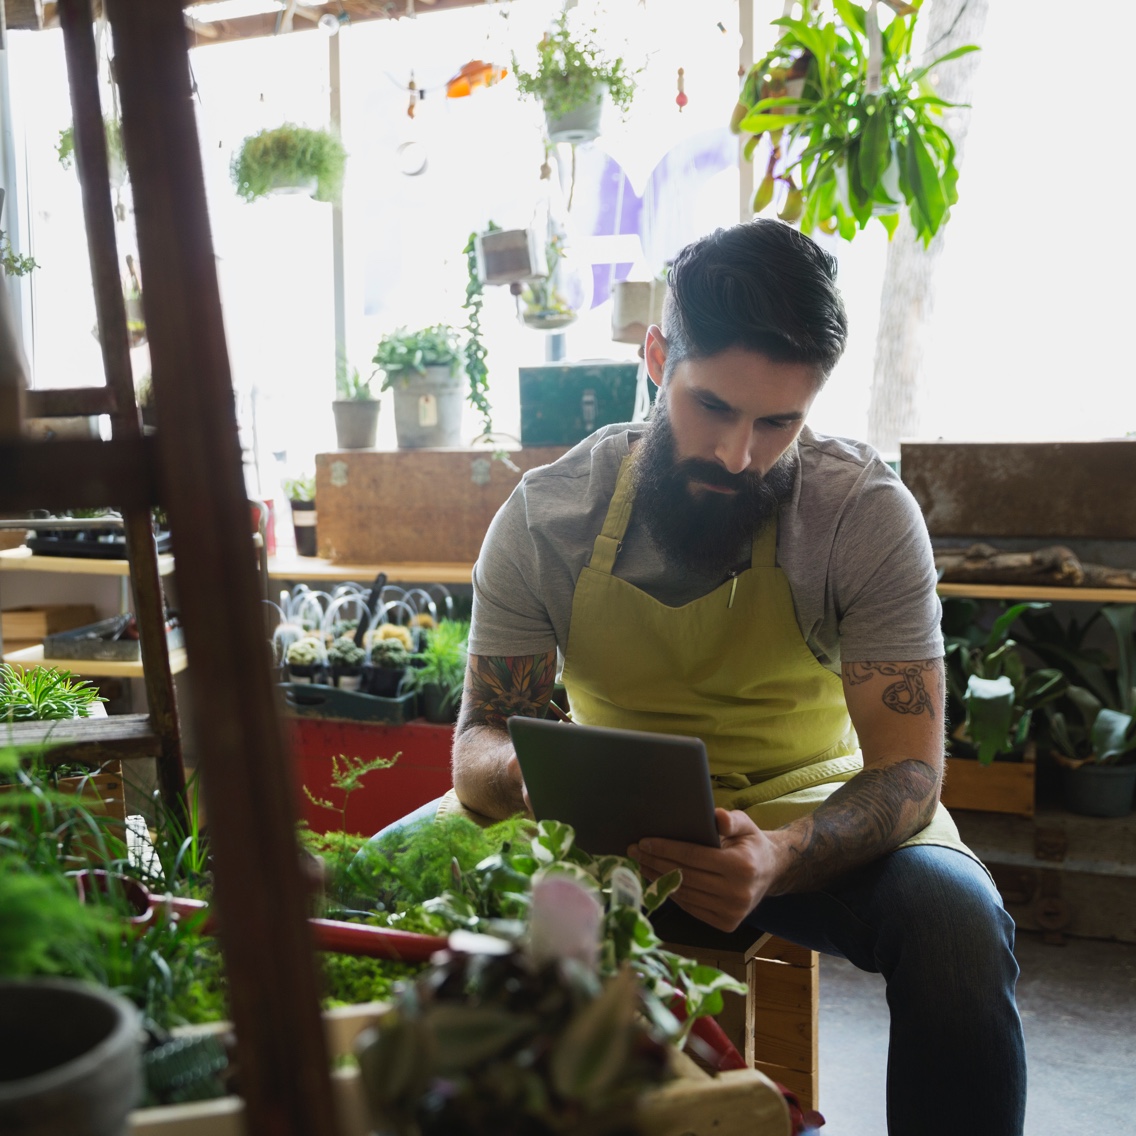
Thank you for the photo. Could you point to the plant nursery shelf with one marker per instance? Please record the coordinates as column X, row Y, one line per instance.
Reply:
column 93, row 668
column 24, row 560
column 1026, row 592
column 316, row 568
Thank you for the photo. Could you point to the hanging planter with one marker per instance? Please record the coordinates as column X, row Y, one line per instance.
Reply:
column 572, row 78
column 289, row 159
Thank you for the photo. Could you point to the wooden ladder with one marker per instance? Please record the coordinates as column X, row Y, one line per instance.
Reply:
column 191, row 466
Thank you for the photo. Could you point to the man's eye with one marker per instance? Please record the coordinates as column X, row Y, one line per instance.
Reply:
column 713, row 407
column 776, row 423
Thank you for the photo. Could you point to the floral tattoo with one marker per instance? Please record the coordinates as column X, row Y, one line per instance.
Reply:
column 499, row 686
column 910, row 694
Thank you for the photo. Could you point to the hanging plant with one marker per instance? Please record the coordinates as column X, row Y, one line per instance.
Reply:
column 853, row 124
column 475, row 353
column 11, row 261
column 289, row 157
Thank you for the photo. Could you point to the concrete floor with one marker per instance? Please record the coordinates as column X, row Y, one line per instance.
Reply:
column 1078, row 1006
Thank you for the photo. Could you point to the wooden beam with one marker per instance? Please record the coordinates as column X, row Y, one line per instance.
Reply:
column 68, row 402
column 42, row 475
column 89, row 741
column 259, row 891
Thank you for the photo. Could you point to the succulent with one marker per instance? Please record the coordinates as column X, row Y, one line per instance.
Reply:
column 344, row 653
column 390, row 654
column 306, row 652
column 391, row 631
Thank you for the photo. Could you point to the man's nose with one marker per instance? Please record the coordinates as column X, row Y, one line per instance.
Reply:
column 734, row 449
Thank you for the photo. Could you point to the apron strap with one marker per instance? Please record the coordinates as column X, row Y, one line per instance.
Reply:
column 610, row 540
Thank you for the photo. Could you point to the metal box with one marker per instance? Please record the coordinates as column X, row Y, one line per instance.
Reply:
column 99, row 641
column 562, row 403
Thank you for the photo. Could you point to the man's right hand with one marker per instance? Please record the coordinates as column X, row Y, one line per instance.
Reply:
column 487, row 776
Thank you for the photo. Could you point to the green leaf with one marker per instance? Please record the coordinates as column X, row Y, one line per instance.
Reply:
column 928, row 189
column 658, row 891
column 590, row 1055
column 918, row 74
column 1122, row 619
column 1113, row 735
column 875, row 145
column 890, row 221
column 466, row 1035
column 989, row 714
column 807, row 36
column 759, row 123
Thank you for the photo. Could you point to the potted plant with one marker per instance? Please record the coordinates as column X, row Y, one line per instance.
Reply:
column 571, row 77
column 440, row 671
column 1091, row 731
column 289, row 159
column 116, row 154
column 853, row 125
column 11, row 261
column 301, row 492
column 306, row 658
column 356, row 410
column 345, row 662
column 42, row 694
column 387, row 662
column 420, row 368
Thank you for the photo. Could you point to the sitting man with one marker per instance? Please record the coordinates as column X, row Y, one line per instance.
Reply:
column 721, row 571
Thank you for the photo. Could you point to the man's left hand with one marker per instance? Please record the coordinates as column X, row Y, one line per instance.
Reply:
column 720, row 886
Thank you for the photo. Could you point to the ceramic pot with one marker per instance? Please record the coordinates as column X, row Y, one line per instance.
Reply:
column 304, row 525
column 580, row 125
column 428, row 408
column 356, row 422
column 1099, row 790
column 70, row 1057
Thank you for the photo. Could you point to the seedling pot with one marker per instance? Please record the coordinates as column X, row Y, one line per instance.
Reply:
column 304, row 526
column 69, row 1059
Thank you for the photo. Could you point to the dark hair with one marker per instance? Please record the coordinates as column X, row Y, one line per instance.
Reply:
column 761, row 286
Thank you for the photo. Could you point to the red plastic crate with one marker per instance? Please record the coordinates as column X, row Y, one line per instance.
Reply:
column 421, row 773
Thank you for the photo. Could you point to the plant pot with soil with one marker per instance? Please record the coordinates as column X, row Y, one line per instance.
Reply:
column 301, row 493
column 421, row 370
column 355, row 409
column 307, row 660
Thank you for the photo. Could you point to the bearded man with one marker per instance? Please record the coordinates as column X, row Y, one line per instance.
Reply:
column 724, row 572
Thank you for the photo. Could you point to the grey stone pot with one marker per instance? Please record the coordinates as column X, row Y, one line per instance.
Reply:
column 69, row 1059
column 580, row 125
column 1099, row 790
column 428, row 409
column 356, row 421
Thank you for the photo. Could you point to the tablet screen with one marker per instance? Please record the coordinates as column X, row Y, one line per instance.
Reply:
column 615, row 787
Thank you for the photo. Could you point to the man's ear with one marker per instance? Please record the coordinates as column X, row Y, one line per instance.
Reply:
column 655, row 354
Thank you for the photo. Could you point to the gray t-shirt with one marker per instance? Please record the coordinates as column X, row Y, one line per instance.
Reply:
column 850, row 539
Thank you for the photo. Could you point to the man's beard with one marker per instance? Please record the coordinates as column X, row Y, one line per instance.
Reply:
column 703, row 531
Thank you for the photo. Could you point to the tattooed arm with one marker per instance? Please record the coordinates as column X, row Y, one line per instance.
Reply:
column 487, row 777
column 897, row 709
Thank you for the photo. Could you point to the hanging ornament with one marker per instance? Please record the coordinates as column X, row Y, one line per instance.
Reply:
column 412, row 87
column 681, row 98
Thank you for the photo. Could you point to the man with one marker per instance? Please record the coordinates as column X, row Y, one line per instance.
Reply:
column 722, row 571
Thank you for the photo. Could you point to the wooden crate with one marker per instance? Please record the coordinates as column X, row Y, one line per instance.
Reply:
column 433, row 506
column 32, row 624
column 743, row 1102
column 1002, row 787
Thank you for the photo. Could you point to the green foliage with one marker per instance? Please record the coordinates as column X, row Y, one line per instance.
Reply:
column 289, row 156
column 442, row 661
column 390, row 654
column 475, row 353
column 403, row 353
column 65, row 146
column 992, row 693
column 572, row 72
column 344, row 653
column 302, row 488
column 306, row 652
column 11, row 261
column 852, row 153
column 42, row 694
column 350, row 386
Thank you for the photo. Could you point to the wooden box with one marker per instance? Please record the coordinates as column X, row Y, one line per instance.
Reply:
column 1001, row 787
column 1044, row 490
column 414, row 506
column 34, row 624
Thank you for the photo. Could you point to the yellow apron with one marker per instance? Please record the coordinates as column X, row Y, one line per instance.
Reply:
column 731, row 668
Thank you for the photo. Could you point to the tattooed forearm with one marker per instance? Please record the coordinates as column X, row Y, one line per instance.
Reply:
column 914, row 688
column 870, row 815
column 498, row 686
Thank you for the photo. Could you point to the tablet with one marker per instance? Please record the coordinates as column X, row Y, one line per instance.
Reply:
column 615, row 787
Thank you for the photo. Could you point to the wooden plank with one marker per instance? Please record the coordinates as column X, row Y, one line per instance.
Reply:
column 41, row 475
column 91, row 740
column 804, row 1084
column 732, row 1019
column 1013, row 592
column 102, row 794
column 783, row 1005
column 1046, row 490
column 94, row 668
column 24, row 560
column 69, row 402
column 1002, row 787
column 781, row 950
column 410, row 506
column 259, row 890
column 315, row 568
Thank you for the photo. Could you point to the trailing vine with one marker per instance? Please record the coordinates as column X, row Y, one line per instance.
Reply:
column 11, row 261
column 475, row 354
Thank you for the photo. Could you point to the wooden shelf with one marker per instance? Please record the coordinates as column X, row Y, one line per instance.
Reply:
column 1024, row 592
column 92, row 668
column 24, row 560
column 315, row 568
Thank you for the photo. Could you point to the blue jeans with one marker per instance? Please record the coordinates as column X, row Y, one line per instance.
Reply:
column 931, row 922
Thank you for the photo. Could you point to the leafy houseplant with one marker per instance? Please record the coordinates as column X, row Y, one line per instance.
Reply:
column 389, row 660
column 853, row 125
column 305, row 657
column 301, row 492
column 11, row 261
column 420, row 369
column 993, row 693
column 44, row 694
column 289, row 157
column 571, row 76
column 474, row 351
column 355, row 408
column 440, row 670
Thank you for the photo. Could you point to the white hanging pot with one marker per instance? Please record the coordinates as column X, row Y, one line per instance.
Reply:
column 580, row 125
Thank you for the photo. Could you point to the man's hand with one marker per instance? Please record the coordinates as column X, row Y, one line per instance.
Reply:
column 720, row 886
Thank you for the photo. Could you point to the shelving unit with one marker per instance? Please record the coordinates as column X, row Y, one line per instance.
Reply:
column 1024, row 592
column 326, row 571
column 93, row 668
column 24, row 560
